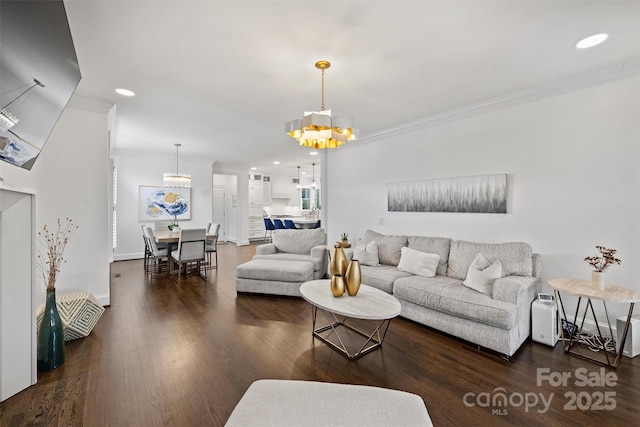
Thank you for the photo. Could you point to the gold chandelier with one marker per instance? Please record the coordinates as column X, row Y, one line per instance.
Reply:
column 318, row 129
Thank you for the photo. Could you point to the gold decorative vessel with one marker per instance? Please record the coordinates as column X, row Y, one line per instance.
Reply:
column 337, row 286
column 353, row 277
column 338, row 264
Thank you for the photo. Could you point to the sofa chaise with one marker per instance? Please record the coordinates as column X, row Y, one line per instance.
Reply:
column 280, row 267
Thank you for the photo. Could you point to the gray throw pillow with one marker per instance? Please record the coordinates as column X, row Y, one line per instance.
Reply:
column 482, row 274
column 389, row 246
column 366, row 254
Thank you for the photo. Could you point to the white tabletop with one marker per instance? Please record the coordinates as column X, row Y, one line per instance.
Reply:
column 170, row 236
column 370, row 303
column 582, row 288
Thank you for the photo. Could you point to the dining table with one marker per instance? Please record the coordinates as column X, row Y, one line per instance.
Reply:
column 170, row 236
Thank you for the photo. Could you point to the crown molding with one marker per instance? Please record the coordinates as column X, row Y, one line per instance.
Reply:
column 94, row 105
column 576, row 82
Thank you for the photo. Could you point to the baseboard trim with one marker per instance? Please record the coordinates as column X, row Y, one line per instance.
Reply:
column 126, row 257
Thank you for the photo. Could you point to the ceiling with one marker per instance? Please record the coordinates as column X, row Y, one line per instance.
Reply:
column 222, row 77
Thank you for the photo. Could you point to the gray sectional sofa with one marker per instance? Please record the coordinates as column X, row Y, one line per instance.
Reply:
column 498, row 319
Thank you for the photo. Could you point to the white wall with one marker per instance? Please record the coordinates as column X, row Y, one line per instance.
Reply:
column 71, row 179
column 573, row 165
column 135, row 169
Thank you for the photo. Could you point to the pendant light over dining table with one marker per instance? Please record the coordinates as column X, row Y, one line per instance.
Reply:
column 318, row 129
column 313, row 179
column 177, row 179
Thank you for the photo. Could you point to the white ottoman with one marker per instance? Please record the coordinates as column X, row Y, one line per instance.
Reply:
column 273, row 277
column 307, row 403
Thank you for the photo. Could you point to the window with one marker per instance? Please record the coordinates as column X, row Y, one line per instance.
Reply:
column 309, row 199
column 305, row 198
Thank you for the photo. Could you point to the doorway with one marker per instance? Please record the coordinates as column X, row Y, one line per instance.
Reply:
column 219, row 209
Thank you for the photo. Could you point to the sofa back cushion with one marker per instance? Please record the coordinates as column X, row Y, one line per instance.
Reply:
column 298, row 241
column 433, row 245
column 389, row 246
column 516, row 257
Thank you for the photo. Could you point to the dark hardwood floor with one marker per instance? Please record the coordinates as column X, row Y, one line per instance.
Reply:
column 184, row 355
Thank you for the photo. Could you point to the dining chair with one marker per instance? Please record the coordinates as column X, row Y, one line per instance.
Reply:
column 278, row 224
column 158, row 258
column 268, row 228
column 289, row 224
column 212, row 244
column 147, row 250
column 191, row 250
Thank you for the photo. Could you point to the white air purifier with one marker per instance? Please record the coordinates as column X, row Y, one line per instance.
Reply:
column 632, row 344
column 544, row 322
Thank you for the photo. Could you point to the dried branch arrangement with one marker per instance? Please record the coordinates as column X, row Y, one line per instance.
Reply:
column 604, row 260
column 53, row 243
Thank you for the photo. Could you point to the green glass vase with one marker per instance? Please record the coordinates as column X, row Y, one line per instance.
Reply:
column 50, row 336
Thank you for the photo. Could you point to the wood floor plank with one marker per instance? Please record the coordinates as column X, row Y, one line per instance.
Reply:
column 181, row 355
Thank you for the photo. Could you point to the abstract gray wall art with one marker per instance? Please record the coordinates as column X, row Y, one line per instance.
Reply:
column 473, row 194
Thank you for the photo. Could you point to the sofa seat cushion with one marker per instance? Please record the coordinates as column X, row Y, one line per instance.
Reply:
column 382, row 276
column 516, row 258
column 449, row 295
column 269, row 270
column 317, row 262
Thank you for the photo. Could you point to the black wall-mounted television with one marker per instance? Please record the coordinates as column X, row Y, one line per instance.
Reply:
column 39, row 72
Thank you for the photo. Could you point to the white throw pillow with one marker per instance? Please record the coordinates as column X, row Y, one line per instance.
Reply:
column 366, row 254
column 482, row 274
column 418, row 262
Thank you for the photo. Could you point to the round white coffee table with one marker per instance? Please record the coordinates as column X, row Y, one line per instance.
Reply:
column 370, row 304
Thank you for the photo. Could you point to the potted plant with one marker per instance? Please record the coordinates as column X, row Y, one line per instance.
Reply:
column 344, row 238
column 50, row 332
column 600, row 263
column 174, row 224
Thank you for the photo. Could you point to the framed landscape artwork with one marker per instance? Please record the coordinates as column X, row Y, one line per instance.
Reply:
column 473, row 194
column 164, row 203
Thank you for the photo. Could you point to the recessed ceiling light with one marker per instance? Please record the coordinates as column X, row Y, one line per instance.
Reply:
column 313, row 153
column 303, row 173
column 591, row 41
column 254, row 168
column 276, row 162
column 125, row 92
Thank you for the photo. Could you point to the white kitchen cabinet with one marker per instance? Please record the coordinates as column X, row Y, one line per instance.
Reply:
column 266, row 191
column 256, row 223
column 18, row 351
column 256, row 193
column 282, row 188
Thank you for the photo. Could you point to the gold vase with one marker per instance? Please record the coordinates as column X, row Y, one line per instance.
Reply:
column 338, row 262
column 337, row 285
column 353, row 277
